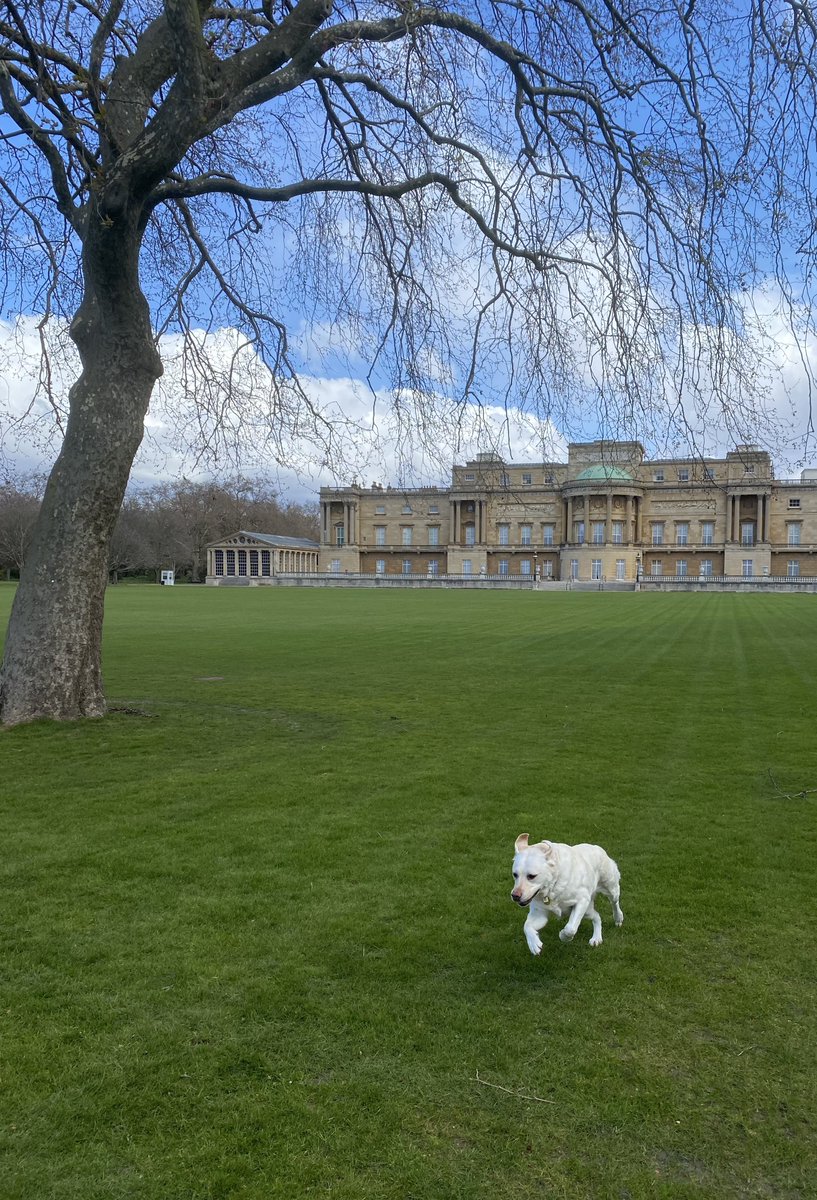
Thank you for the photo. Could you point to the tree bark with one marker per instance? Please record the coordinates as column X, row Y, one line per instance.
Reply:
column 52, row 665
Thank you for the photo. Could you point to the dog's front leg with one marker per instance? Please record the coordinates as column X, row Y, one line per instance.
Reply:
column 537, row 919
column 569, row 932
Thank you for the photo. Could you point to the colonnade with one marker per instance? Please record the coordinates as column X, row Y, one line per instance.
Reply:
column 229, row 561
column 762, row 500
column 630, row 515
column 348, row 523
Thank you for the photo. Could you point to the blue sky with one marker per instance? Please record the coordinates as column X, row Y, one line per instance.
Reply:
column 334, row 352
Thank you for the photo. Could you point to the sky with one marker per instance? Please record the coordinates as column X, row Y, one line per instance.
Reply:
column 371, row 446
column 379, row 435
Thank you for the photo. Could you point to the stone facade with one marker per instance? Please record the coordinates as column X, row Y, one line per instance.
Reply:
column 608, row 513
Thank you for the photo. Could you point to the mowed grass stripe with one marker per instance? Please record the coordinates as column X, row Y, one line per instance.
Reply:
column 259, row 943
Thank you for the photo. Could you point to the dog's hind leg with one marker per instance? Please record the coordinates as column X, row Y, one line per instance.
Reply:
column 593, row 916
column 612, row 890
column 613, row 895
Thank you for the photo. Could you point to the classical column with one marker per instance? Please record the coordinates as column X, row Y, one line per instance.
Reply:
column 586, row 538
column 569, row 529
column 608, row 530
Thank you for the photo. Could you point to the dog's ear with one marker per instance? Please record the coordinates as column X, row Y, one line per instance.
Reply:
column 547, row 850
column 521, row 842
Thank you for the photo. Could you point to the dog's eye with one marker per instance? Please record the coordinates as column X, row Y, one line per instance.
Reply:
column 531, row 877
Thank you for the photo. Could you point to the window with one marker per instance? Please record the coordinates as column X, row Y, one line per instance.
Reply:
column 598, row 533
column 380, row 535
column 707, row 533
column 524, row 566
column 656, row 568
column 231, row 562
column 595, row 569
column 547, row 534
column 794, row 503
column 547, row 568
column 470, row 535
column 504, row 532
column 335, row 566
column 380, row 510
column 504, row 480
column 433, row 535
column 526, row 534
column 408, row 534
column 380, row 566
column 503, row 566
column 658, row 476
column 406, row 509
column 747, row 533
column 574, row 568
column 621, row 569
column 748, row 564
column 406, row 566
column 749, row 468
column 793, row 531
column 618, row 533
column 527, row 477
column 254, row 562
column 793, row 568
column 470, row 476
column 681, row 567
column 683, row 474
column 682, row 533
column 466, row 566
column 658, row 534
column 340, row 535
column 709, row 473
column 265, row 562
column 219, row 557
column 433, row 509
column 578, row 531
column 433, row 566
column 706, row 567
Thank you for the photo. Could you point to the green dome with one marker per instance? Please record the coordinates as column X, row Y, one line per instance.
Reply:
column 601, row 472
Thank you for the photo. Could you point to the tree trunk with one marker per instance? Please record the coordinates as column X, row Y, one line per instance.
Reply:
column 52, row 661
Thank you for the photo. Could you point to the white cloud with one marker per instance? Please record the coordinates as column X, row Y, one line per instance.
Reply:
column 323, row 431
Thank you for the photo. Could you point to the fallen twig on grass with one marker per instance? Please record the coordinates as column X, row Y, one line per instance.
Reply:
column 519, row 1095
column 791, row 795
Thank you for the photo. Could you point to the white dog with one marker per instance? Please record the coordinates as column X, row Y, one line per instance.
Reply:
column 554, row 878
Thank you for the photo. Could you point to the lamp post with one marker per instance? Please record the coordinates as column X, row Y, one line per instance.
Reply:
column 535, row 567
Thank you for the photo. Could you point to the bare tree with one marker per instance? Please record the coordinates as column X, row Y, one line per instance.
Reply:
column 565, row 202
column 19, row 504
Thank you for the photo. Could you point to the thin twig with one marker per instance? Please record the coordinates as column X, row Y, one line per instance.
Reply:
column 519, row 1095
column 791, row 795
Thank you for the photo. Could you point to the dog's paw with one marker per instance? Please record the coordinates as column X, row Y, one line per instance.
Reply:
column 565, row 935
column 535, row 944
column 595, row 941
column 620, row 919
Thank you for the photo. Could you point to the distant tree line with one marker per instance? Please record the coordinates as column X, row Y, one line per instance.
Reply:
column 164, row 526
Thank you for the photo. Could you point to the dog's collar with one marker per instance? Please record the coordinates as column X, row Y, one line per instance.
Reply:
column 546, row 899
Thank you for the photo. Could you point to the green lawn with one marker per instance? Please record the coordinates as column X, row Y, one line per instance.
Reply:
column 256, row 938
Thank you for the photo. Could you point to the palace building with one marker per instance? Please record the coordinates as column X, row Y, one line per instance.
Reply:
column 607, row 513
